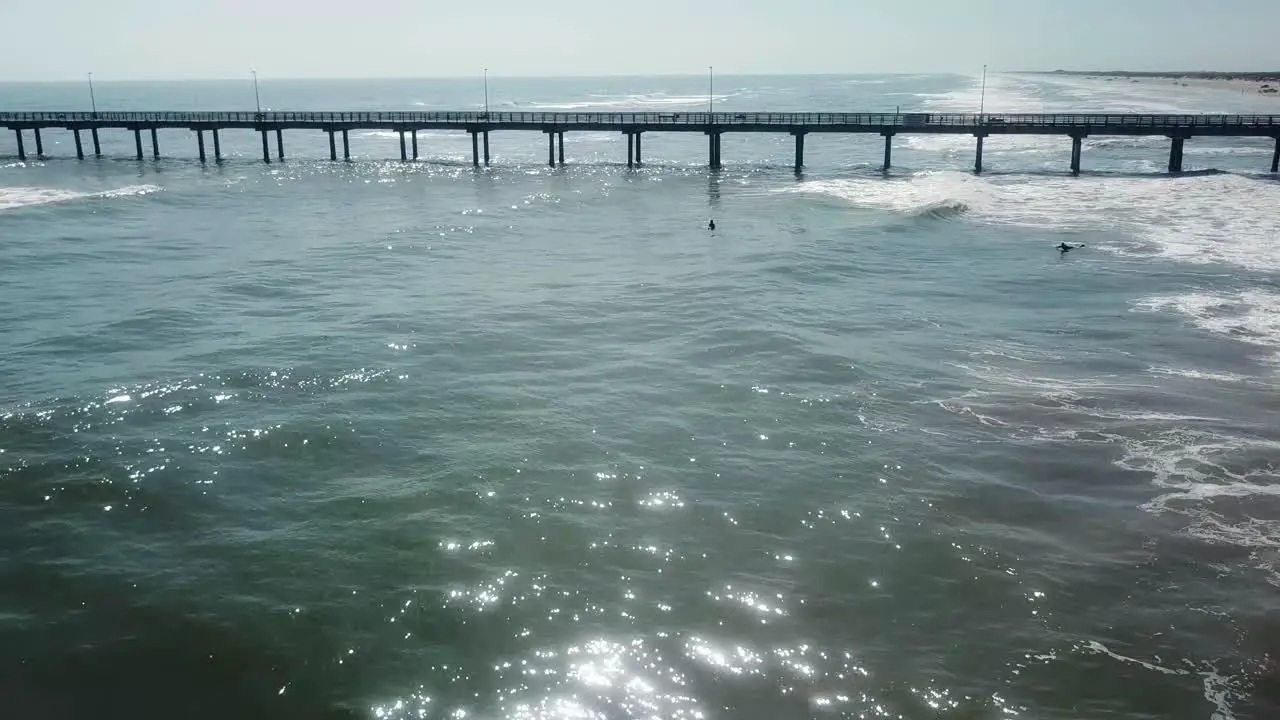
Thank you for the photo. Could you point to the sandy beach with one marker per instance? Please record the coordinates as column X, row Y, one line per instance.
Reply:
column 1249, row 83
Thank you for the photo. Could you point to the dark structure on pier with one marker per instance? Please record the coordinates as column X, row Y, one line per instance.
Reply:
column 1179, row 128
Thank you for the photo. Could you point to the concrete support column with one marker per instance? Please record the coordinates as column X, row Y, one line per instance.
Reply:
column 280, row 144
column 1175, row 155
column 639, row 158
column 977, row 160
column 888, row 150
column 551, row 148
column 475, row 149
column 266, row 148
column 155, row 145
column 217, row 147
column 415, row 145
column 346, row 147
column 79, row 147
column 137, row 141
column 1275, row 157
column 39, row 144
column 333, row 148
column 561, row 141
column 404, row 155
column 22, row 150
column 486, row 148
column 1076, row 150
column 799, row 151
column 715, row 149
column 200, row 144
column 631, row 149
column 97, row 147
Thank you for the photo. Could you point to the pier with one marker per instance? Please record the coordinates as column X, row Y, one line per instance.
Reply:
column 1076, row 127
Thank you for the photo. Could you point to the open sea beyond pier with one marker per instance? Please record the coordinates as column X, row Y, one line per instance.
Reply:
column 419, row 440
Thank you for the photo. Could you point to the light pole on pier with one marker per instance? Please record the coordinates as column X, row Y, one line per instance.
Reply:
column 982, row 101
column 486, row 93
column 93, row 101
column 711, row 87
column 257, row 100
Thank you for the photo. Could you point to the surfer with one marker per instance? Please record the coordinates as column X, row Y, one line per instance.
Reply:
column 1065, row 248
column 711, row 225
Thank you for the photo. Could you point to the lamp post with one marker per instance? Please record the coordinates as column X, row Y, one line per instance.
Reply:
column 93, row 101
column 982, row 101
column 486, row 93
column 257, row 99
column 711, row 87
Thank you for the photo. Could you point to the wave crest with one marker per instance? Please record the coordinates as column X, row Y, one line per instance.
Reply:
column 16, row 197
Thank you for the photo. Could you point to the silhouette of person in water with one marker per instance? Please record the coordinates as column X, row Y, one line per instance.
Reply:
column 1065, row 248
column 711, row 225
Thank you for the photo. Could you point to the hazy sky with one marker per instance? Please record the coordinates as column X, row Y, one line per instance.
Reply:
column 163, row 39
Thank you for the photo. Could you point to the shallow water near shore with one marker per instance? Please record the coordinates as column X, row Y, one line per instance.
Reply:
column 385, row 440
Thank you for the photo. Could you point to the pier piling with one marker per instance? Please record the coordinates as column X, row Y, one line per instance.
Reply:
column 639, row 160
column 551, row 148
column 713, row 141
column 217, row 147
column 155, row 145
column 266, row 147
column 39, row 145
column 631, row 149
column 1275, row 157
column 1175, row 155
column 486, row 148
column 561, row 141
column 200, row 144
column 977, row 158
column 415, row 145
column 346, row 147
column 137, row 142
column 22, row 151
column 280, row 144
column 475, row 149
column 333, row 149
column 1076, row 149
column 888, row 149
column 799, row 151
column 97, row 148
column 79, row 147
column 404, row 154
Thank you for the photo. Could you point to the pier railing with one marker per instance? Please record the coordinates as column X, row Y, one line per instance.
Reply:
column 1179, row 128
column 651, row 119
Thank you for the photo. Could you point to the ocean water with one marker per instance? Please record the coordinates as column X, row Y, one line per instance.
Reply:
column 385, row 440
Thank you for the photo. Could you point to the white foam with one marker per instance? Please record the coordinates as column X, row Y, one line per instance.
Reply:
column 15, row 197
column 1199, row 374
column 1191, row 466
column 640, row 102
column 1099, row 648
column 1216, row 688
column 909, row 196
column 1251, row 316
column 1219, row 218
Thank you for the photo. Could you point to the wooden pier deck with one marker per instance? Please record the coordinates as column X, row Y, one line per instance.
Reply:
column 1077, row 126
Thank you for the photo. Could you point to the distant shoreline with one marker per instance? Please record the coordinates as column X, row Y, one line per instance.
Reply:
column 1271, row 76
column 1261, row 83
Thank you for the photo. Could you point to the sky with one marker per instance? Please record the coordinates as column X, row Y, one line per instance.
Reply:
column 183, row 39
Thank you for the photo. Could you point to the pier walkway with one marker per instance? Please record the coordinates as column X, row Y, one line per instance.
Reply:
column 1178, row 128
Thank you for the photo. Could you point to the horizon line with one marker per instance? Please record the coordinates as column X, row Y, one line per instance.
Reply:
column 492, row 75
